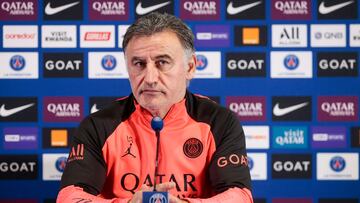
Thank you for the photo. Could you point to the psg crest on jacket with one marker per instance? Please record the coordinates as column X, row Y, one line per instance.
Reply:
column 193, row 148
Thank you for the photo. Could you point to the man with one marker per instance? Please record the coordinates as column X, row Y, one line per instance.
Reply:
column 202, row 155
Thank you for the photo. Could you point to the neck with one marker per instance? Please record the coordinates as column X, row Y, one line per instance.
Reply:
column 159, row 112
column 163, row 111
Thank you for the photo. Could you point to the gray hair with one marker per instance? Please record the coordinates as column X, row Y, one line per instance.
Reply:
column 156, row 22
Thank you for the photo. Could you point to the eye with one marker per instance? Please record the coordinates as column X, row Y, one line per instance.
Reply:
column 160, row 63
column 139, row 64
column 163, row 65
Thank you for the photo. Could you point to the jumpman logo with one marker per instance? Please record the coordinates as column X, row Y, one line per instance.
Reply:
column 128, row 151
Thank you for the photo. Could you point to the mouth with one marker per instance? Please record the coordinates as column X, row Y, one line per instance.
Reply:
column 151, row 92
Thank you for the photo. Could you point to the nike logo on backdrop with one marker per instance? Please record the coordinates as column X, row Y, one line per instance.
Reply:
column 283, row 111
column 8, row 112
column 235, row 10
column 142, row 11
column 54, row 10
column 328, row 9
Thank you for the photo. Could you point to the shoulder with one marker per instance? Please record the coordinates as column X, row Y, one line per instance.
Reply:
column 103, row 122
column 203, row 109
column 117, row 111
column 222, row 122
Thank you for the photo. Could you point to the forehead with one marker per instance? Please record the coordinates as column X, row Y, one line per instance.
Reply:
column 161, row 42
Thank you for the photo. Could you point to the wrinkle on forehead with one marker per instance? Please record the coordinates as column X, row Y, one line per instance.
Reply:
column 163, row 43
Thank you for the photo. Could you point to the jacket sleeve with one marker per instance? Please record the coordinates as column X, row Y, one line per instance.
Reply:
column 86, row 167
column 229, row 196
column 73, row 194
column 229, row 173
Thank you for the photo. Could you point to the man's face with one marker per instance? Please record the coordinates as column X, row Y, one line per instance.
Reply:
column 158, row 70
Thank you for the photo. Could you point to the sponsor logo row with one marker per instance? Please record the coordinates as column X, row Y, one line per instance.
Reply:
column 253, row 108
column 27, row 138
column 295, row 108
column 257, row 137
column 188, row 9
column 207, row 36
column 107, row 65
column 62, row 36
column 330, row 166
column 27, row 166
column 282, row 35
column 301, row 137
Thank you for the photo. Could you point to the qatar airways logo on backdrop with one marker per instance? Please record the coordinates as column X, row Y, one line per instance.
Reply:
column 291, row 9
column 63, row 109
column 108, row 9
column 338, row 108
column 200, row 10
column 248, row 108
column 18, row 10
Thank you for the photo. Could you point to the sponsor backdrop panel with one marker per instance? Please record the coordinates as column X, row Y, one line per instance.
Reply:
column 288, row 69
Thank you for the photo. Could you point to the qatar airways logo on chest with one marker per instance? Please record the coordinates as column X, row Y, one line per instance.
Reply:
column 185, row 184
column 338, row 108
column 248, row 108
column 63, row 109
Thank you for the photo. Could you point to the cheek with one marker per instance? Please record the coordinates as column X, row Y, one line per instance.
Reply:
column 134, row 82
column 177, row 83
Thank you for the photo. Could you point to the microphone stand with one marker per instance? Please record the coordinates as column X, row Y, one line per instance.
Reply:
column 157, row 132
column 155, row 196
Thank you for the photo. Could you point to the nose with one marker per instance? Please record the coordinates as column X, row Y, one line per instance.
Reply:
column 151, row 74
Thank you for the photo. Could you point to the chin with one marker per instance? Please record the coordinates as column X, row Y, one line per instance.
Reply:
column 149, row 105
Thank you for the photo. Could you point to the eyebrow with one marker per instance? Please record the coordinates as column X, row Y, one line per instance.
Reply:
column 135, row 58
column 163, row 56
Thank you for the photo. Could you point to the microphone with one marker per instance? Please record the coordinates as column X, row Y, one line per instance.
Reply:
column 157, row 125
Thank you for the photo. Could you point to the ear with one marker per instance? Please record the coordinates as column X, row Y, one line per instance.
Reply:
column 191, row 67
